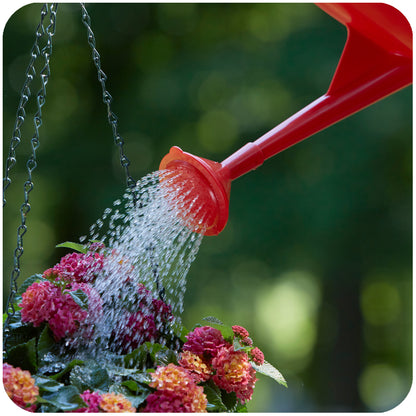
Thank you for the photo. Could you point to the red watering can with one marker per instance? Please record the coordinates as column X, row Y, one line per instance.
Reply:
column 376, row 61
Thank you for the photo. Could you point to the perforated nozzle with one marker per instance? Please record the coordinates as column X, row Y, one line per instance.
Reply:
column 203, row 186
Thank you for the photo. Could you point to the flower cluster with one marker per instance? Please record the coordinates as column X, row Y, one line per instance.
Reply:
column 147, row 324
column 78, row 267
column 47, row 302
column 106, row 402
column 208, row 355
column 176, row 392
column 20, row 387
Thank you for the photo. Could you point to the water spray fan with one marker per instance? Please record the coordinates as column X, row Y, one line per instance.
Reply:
column 376, row 62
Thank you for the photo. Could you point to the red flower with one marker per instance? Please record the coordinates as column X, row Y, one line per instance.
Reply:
column 204, row 340
column 240, row 331
column 164, row 402
column 134, row 330
column 77, row 267
column 257, row 356
column 147, row 324
column 67, row 315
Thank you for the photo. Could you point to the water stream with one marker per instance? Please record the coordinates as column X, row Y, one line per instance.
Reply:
column 147, row 250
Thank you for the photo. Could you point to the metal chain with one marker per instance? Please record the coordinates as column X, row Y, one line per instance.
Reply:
column 31, row 164
column 24, row 98
column 107, row 98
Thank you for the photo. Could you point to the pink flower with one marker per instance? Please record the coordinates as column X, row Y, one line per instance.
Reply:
column 92, row 401
column 107, row 403
column 234, row 373
column 247, row 341
column 20, row 387
column 240, row 331
column 67, row 316
column 204, row 340
column 77, row 267
column 257, row 356
column 45, row 302
column 164, row 402
column 245, row 393
column 37, row 302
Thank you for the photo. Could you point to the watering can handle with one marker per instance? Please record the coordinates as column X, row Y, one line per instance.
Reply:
column 376, row 62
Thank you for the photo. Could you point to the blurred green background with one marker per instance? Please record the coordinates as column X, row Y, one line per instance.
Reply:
column 316, row 258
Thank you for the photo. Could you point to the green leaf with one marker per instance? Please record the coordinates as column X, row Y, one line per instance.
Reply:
column 90, row 376
column 47, row 384
column 136, row 399
column 80, row 298
column 67, row 369
column 131, row 385
column 213, row 320
column 137, row 358
column 45, row 344
column 241, row 408
column 226, row 330
column 268, row 370
column 229, row 400
column 149, row 354
column 213, row 393
column 73, row 246
column 65, row 399
column 19, row 332
column 24, row 356
column 238, row 347
column 143, row 378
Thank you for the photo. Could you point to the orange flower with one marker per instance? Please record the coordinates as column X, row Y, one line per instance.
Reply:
column 172, row 378
column 196, row 366
column 20, row 387
column 176, row 389
column 115, row 403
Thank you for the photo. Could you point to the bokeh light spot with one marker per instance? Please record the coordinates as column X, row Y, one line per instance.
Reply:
column 287, row 312
column 381, row 387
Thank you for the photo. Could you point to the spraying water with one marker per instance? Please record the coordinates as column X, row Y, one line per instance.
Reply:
column 147, row 247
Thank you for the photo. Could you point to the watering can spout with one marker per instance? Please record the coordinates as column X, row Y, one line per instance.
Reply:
column 376, row 62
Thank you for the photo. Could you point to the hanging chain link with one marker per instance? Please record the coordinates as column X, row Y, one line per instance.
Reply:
column 107, row 98
column 24, row 98
column 31, row 163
